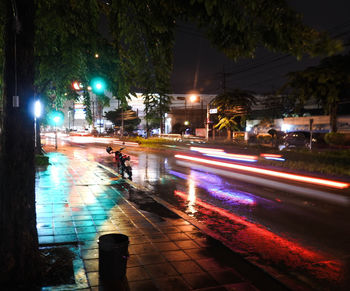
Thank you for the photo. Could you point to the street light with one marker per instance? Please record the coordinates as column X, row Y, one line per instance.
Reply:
column 37, row 109
column 56, row 119
column 37, row 114
column 193, row 98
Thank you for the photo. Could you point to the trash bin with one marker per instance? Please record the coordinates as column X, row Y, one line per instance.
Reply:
column 113, row 255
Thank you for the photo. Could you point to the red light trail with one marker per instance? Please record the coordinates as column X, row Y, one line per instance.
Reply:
column 293, row 177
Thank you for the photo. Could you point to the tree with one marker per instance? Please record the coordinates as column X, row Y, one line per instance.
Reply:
column 65, row 47
column 276, row 106
column 328, row 83
column 19, row 244
column 62, row 47
column 127, row 116
column 155, row 107
column 102, row 101
column 233, row 109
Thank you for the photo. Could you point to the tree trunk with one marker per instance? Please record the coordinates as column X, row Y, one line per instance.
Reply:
column 19, row 256
column 333, row 117
column 229, row 134
column 147, row 129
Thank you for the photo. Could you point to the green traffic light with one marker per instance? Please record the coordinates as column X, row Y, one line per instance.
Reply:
column 98, row 85
column 55, row 118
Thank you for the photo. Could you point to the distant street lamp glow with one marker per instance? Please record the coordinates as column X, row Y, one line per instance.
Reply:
column 193, row 98
column 56, row 119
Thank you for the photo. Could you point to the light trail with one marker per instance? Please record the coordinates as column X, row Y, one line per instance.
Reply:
column 91, row 139
column 206, row 150
column 244, row 158
column 273, row 157
column 265, row 181
column 283, row 175
column 220, row 153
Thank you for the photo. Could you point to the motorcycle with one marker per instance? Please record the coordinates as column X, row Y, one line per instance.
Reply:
column 123, row 162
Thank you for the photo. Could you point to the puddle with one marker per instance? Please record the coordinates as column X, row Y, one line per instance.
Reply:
column 145, row 203
column 65, row 277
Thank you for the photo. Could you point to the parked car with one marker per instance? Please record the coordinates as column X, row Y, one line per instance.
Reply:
column 301, row 139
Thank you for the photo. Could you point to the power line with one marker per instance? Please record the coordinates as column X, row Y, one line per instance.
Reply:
column 266, row 60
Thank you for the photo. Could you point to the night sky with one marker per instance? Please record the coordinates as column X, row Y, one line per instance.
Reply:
column 263, row 74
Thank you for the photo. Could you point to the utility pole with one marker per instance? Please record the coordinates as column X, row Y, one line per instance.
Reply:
column 122, row 127
column 223, row 85
column 207, row 123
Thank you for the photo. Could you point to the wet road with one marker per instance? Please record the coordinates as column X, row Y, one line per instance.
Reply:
column 281, row 231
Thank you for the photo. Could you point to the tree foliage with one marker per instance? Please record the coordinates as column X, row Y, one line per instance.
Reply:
column 126, row 115
column 276, row 106
column 233, row 109
column 328, row 84
column 238, row 27
column 65, row 44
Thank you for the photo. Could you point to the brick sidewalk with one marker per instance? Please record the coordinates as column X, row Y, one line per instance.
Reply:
column 78, row 201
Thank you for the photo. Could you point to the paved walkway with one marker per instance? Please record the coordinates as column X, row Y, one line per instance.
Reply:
column 78, row 201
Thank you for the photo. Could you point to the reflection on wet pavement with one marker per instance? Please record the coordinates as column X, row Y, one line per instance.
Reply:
column 214, row 186
column 230, row 213
column 249, row 238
